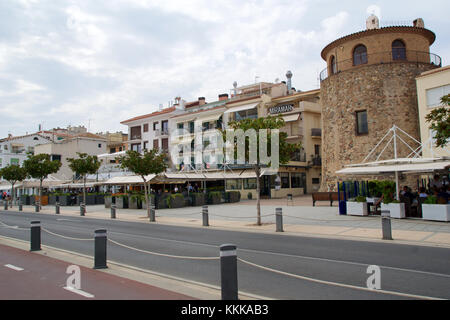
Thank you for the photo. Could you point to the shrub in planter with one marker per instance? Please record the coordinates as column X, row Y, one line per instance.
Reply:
column 32, row 200
column 144, row 203
column 52, row 199
column 215, row 197
column 134, row 201
column 233, row 196
column 64, row 199
column 175, row 201
column 108, row 200
column 122, row 201
column 358, row 206
column 100, row 198
column 25, row 199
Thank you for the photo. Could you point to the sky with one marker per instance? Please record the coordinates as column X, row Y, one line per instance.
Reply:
column 97, row 63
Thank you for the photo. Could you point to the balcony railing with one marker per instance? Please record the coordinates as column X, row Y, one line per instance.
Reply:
column 316, row 132
column 394, row 56
column 316, row 161
column 163, row 132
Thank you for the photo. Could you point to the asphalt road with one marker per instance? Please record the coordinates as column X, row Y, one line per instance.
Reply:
column 405, row 269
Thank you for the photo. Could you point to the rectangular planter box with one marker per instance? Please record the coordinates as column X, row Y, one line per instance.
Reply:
column 198, row 199
column 64, row 200
column 52, row 200
column 32, row 200
column 108, row 201
column 122, row 202
column 99, row 199
column 357, row 208
column 134, row 203
column 25, row 200
column 233, row 196
column 177, row 202
column 436, row 212
column 215, row 199
column 144, row 203
column 397, row 210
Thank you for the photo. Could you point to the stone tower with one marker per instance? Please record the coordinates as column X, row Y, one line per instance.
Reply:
column 369, row 86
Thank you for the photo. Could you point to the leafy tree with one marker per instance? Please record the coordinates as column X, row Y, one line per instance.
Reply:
column 83, row 166
column 13, row 174
column 285, row 151
column 439, row 120
column 143, row 165
column 40, row 167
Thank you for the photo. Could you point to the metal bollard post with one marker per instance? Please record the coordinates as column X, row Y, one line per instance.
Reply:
column 82, row 209
column 152, row 214
column 6, row 204
column 205, row 216
column 100, row 249
column 36, row 206
column 113, row 211
column 228, row 272
column 386, row 224
column 57, row 208
column 20, row 206
column 35, row 238
column 279, row 219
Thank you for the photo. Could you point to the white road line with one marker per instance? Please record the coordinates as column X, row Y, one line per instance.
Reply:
column 80, row 292
column 14, row 267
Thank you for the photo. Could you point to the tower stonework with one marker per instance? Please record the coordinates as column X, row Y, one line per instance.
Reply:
column 368, row 87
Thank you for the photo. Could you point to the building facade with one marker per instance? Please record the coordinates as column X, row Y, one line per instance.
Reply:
column 369, row 86
column 431, row 87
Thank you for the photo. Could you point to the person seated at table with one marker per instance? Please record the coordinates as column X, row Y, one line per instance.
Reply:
column 406, row 192
column 422, row 193
column 442, row 196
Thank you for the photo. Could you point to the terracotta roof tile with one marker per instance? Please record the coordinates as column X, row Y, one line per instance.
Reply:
column 154, row 114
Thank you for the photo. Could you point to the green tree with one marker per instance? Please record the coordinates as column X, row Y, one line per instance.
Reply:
column 143, row 165
column 40, row 167
column 13, row 174
column 84, row 165
column 285, row 151
column 439, row 120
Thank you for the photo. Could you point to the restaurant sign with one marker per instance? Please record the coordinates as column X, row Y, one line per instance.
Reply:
column 281, row 108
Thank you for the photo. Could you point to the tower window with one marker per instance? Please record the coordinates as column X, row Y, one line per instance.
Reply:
column 333, row 65
column 360, row 55
column 362, row 126
column 398, row 50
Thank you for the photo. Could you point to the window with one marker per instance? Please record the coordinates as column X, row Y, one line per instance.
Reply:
column 360, row 55
column 250, row 183
column 155, row 126
column 315, row 180
column 317, row 149
column 112, row 150
column 246, row 114
column 398, row 50
column 156, row 144
column 165, row 127
column 35, row 138
column 434, row 95
column 180, row 126
column 136, row 147
column 1, row 162
column 361, row 122
column 205, row 126
column 165, row 144
column 14, row 161
column 56, row 157
column 284, row 180
column 333, row 65
column 135, row 133
column 145, row 145
column 146, row 127
column 297, row 180
column 234, row 184
column 99, row 145
column 191, row 127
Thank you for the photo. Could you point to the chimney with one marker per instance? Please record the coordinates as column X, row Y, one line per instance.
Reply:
column 201, row 101
column 223, row 96
column 235, row 88
column 372, row 22
column 289, row 81
column 418, row 23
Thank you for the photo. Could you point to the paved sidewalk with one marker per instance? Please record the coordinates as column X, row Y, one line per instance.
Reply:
column 300, row 218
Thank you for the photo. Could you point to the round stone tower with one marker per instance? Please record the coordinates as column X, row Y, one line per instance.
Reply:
column 368, row 87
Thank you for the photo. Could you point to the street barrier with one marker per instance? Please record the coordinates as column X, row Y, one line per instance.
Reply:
column 37, row 206
column 35, row 237
column 6, row 204
column 205, row 216
column 100, row 249
column 279, row 219
column 228, row 272
column 20, row 206
column 152, row 215
column 113, row 211
column 386, row 224
column 57, row 208
column 82, row 209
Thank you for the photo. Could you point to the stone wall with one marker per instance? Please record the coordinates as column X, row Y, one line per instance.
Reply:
column 388, row 93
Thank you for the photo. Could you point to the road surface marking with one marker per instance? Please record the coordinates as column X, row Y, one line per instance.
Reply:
column 14, row 267
column 80, row 292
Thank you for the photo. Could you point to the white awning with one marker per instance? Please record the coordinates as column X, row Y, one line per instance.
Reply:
column 212, row 117
column 416, row 167
column 242, row 108
column 194, row 176
column 129, row 179
column 111, row 156
column 231, row 175
column 248, row 174
column 214, row 175
column 292, row 117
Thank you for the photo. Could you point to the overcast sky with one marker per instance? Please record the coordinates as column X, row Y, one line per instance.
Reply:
column 96, row 63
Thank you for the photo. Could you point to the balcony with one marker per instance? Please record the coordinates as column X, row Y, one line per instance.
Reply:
column 394, row 56
column 316, row 161
column 161, row 133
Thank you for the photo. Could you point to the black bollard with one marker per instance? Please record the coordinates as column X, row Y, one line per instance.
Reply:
column 6, row 204
column 228, row 272
column 100, row 249
column 205, row 216
column 113, row 211
column 35, row 238
column 279, row 219
column 57, row 208
column 386, row 224
column 36, row 206
column 152, row 215
column 20, row 206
